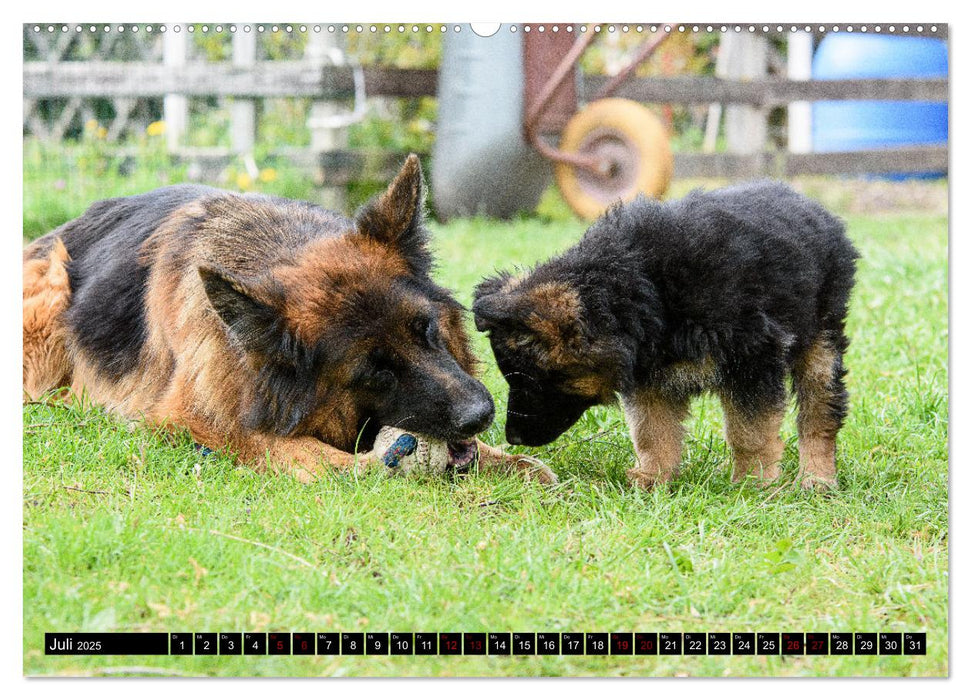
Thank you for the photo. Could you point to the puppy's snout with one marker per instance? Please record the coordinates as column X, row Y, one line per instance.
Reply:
column 512, row 435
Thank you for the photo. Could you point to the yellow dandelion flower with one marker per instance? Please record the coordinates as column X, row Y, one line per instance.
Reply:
column 155, row 129
column 91, row 124
column 244, row 181
column 268, row 175
column 101, row 132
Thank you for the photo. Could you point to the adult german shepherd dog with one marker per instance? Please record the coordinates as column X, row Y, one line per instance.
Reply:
column 728, row 291
column 283, row 332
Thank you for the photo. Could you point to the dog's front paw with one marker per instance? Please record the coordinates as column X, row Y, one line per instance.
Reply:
column 532, row 468
column 492, row 459
column 365, row 462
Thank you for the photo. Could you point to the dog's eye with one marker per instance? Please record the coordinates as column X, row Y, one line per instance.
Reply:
column 431, row 333
column 427, row 330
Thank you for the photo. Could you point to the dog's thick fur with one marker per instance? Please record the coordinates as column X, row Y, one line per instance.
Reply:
column 728, row 291
column 283, row 332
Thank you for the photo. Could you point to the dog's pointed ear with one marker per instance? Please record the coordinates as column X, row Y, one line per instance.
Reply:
column 396, row 218
column 255, row 324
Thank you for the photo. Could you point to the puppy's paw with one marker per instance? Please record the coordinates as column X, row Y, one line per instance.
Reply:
column 818, row 483
column 759, row 476
column 643, row 479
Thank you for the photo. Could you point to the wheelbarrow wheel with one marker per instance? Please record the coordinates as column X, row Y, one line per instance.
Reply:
column 631, row 143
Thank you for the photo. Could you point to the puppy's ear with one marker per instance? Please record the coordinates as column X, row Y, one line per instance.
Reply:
column 490, row 306
column 396, row 217
column 554, row 313
column 255, row 324
column 550, row 312
column 492, row 310
column 491, row 285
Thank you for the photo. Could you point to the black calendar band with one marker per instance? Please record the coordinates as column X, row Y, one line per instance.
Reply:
column 497, row 644
column 107, row 643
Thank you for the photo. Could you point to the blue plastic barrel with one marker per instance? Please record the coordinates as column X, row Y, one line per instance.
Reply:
column 859, row 125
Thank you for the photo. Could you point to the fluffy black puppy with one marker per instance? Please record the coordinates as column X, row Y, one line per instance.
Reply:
column 727, row 291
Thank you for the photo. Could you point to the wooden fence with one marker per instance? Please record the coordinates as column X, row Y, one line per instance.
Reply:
column 125, row 80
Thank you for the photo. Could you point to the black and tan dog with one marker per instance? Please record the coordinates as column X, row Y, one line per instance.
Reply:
column 279, row 330
column 728, row 291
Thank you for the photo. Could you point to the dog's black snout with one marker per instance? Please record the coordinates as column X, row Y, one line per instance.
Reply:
column 475, row 417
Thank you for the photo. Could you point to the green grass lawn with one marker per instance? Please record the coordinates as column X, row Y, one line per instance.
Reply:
column 125, row 530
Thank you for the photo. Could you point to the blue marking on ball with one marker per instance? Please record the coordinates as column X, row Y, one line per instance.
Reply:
column 203, row 450
column 402, row 447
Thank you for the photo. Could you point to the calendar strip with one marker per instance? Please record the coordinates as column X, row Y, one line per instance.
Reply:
column 486, row 643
